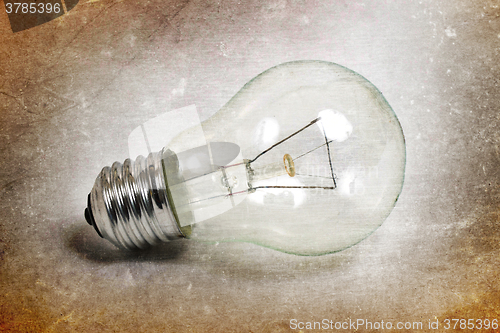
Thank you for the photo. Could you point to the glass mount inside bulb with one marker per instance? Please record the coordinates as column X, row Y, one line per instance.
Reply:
column 201, row 185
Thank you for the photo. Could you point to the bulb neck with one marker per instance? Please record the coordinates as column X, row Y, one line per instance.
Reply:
column 129, row 206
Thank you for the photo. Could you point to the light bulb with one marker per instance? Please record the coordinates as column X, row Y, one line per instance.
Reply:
column 307, row 158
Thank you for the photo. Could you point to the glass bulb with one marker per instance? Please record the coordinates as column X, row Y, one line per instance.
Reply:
column 307, row 158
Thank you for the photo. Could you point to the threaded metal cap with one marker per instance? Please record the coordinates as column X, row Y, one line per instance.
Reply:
column 128, row 204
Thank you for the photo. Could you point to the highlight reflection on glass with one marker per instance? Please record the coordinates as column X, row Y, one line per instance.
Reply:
column 307, row 158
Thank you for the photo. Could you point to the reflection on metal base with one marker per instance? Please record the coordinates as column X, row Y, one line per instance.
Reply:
column 128, row 205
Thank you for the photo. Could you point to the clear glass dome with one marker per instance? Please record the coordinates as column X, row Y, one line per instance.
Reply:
column 307, row 158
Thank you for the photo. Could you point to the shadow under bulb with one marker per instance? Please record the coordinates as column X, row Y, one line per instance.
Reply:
column 307, row 158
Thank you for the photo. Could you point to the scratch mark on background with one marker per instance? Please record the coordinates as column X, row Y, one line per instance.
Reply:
column 166, row 21
column 14, row 97
column 75, row 36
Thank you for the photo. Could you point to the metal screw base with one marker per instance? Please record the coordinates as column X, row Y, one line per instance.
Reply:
column 128, row 204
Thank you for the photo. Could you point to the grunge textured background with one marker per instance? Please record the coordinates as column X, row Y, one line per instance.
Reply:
column 72, row 90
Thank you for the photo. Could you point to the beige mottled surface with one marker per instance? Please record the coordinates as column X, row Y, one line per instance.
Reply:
column 73, row 89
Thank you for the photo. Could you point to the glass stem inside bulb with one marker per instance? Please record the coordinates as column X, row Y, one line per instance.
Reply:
column 208, row 195
column 204, row 187
column 262, row 172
